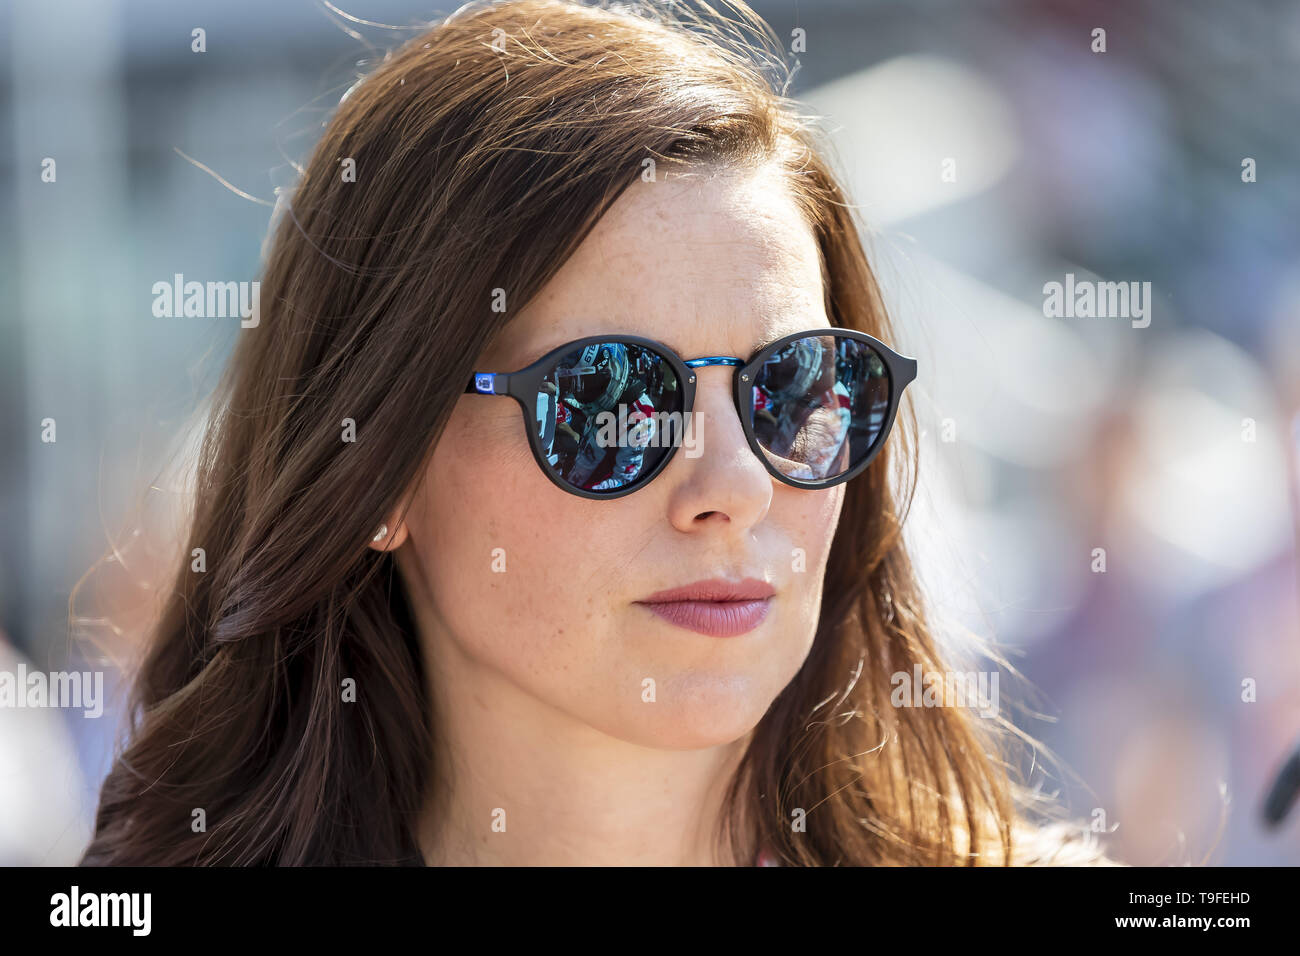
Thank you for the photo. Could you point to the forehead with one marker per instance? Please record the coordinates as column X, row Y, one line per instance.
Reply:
column 717, row 263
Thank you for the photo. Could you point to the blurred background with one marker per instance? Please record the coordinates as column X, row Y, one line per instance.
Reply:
column 993, row 148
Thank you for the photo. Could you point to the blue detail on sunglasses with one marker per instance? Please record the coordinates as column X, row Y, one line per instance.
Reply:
column 713, row 360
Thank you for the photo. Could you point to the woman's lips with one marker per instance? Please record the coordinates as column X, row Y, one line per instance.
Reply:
column 716, row 618
column 716, row 607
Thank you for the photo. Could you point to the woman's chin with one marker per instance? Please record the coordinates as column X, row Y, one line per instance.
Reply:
column 697, row 711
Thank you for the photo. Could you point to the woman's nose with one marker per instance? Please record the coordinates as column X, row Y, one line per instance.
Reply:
column 718, row 477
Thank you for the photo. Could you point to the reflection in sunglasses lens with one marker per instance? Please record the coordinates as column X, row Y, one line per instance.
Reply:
column 819, row 406
column 607, row 414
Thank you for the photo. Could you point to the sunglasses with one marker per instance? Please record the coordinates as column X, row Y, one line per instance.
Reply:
column 605, row 414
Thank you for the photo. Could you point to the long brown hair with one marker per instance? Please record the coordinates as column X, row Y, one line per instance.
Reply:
column 485, row 149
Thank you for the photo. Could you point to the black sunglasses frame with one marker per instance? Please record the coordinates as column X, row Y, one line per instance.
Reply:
column 525, row 384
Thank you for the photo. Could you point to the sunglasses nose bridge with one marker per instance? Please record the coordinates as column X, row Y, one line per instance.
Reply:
column 730, row 361
column 707, row 360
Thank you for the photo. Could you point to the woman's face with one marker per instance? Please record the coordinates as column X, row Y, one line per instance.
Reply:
column 536, row 590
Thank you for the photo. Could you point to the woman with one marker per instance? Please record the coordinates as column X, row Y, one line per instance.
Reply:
column 430, row 631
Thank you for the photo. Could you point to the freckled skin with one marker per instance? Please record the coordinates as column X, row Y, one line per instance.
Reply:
column 536, row 673
column 714, row 265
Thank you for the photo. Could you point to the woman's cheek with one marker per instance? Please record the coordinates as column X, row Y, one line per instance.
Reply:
column 811, row 519
column 507, row 554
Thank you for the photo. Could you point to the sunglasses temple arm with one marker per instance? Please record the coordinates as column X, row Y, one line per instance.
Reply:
column 488, row 383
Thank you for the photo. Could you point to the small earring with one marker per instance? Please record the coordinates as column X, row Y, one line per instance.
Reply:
column 381, row 534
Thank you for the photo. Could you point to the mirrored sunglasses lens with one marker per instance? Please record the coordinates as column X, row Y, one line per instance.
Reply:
column 608, row 414
column 819, row 406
